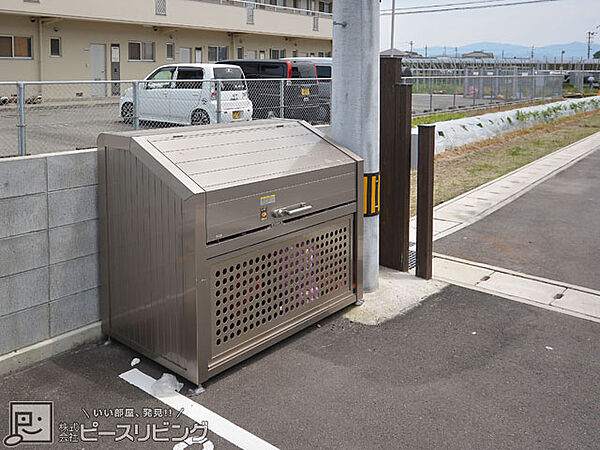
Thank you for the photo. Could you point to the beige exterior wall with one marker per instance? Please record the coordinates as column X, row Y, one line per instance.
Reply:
column 77, row 36
column 180, row 13
column 22, row 69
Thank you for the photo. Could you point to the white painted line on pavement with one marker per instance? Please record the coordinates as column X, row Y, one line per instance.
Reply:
column 552, row 295
column 217, row 424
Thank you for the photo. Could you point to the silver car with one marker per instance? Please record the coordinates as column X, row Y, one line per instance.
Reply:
column 187, row 94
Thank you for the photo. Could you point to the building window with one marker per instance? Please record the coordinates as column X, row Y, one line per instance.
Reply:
column 217, row 53
column 55, row 47
column 240, row 53
column 185, row 54
column 325, row 7
column 276, row 53
column 15, row 47
column 300, row 4
column 141, row 51
column 198, row 52
column 170, row 50
column 294, row 53
column 261, row 54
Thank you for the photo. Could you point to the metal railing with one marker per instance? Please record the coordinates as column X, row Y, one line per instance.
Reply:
column 270, row 7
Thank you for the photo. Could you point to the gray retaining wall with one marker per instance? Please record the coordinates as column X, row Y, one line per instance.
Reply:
column 49, row 274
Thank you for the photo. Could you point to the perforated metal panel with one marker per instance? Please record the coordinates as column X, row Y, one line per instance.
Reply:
column 258, row 291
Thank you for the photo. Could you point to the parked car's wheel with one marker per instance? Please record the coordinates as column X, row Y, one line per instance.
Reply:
column 200, row 117
column 127, row 112
column 325, row 113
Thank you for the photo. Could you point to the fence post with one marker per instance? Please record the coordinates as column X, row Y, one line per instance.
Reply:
column 474, row 88
column 21, row 117
column 454, row 96
column 281, row 99
column 136, row 106
column 218, row 101
column 430, row 94
column 425, row 201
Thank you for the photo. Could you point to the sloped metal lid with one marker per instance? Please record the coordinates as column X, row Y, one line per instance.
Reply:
column 218, row 158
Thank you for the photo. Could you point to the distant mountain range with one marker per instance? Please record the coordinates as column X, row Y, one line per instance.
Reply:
column 572, row 50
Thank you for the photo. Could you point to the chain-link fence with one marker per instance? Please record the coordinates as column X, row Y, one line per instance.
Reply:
column 475, row 89
column 42, row 117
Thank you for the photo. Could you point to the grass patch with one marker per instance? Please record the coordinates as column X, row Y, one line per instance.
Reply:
column 439, row 117
column 460, row 170
column 568, row 89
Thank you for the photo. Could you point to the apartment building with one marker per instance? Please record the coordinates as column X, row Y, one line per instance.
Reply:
column 126, row 39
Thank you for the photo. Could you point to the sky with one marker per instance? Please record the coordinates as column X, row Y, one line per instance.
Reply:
column 540, row 24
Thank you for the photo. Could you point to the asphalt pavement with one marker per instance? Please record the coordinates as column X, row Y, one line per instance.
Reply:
column 463, row 370
column 552, row 231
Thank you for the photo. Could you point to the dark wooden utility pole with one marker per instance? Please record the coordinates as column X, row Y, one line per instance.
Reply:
column 425, row 201
column 395, row 141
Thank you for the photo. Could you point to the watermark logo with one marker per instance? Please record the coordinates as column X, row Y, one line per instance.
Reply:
column 31, row 423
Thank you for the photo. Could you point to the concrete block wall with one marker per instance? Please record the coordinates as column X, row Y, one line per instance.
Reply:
column 49, row 274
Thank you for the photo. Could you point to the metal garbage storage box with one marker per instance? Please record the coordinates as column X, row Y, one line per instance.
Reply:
column 218, row 241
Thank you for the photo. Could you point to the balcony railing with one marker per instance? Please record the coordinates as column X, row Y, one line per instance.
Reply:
column 269, row 7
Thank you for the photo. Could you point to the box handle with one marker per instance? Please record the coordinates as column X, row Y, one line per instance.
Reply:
column 291, row 210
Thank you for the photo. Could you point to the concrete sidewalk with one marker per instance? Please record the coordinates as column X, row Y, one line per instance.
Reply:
column 472, row 206
column 463, row 370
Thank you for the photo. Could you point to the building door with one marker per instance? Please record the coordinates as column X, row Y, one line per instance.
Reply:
column 115, row 68
column 185, row 55
column 98, row 69
column 198, row 51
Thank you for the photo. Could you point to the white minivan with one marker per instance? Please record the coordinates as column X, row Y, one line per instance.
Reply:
column 186, row 94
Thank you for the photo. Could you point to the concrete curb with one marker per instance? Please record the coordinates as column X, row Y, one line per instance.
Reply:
column 28, row 356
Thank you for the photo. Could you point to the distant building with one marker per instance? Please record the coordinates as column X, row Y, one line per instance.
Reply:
column 400, row 53
column 478, row 54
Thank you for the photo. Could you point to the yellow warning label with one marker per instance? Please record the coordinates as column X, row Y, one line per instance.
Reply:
column 267, row 200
